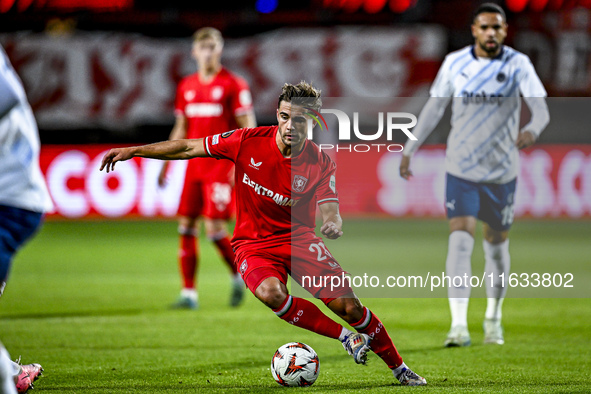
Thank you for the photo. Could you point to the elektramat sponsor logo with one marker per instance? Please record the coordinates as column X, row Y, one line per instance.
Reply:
column 263, row 191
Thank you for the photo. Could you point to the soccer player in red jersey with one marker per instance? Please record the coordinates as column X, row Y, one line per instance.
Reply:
column 212, row 100
column 280, row 179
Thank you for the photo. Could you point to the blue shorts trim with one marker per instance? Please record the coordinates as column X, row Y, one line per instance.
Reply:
column 490, row 202
column 16, row 226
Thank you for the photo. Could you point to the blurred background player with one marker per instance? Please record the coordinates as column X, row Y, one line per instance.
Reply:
column 485, row 80
column 23, row 195
column 211, row 101
column 282, row 177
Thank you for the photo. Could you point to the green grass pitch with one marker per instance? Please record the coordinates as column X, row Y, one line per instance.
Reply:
column 88, row 300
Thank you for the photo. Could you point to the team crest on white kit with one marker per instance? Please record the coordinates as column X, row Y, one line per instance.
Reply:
column 299, row 183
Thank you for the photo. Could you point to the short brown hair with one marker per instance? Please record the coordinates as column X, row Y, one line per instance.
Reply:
column 208, row 32
column 305, row 92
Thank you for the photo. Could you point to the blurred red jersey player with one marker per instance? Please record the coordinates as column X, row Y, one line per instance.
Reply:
column 280, row 179
column 210, row 101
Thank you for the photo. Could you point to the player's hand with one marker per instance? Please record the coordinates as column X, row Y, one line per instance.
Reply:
column 115, row 155
column 331, row 231
column 525, row 139
column 404, row 169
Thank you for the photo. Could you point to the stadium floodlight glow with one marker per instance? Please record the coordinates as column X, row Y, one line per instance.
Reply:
column 400, row 6
column 516, row 5
column 5, row 6
column 555, row 4
column 373, row 6
column 352, row 5
column 538, row 5
column 369, row 6
column 266, row 6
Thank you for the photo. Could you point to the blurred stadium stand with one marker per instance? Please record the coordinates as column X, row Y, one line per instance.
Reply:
column 104, row 72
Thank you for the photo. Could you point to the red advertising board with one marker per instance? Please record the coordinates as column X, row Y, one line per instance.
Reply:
column 79, row 189
column 554, row 181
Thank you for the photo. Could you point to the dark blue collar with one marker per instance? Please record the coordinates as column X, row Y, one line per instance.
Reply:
column 499, row 56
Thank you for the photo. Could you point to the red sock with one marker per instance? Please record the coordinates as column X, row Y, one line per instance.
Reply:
column 381, row 343
column 304, row 314
column 227, row 252
column 188, row 260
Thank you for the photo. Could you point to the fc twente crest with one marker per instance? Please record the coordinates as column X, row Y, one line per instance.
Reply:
column 299, row 183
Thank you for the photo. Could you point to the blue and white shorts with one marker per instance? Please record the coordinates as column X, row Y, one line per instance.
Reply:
column 490, row 202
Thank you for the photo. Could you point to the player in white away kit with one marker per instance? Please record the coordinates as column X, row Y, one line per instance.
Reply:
column 485, row 81
column 23, row 198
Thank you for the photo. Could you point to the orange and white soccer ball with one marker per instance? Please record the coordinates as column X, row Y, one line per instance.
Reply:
column 295, row 364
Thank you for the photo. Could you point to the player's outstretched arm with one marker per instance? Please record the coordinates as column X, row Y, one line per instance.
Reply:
column 8, row 96
column 247, row 120
column 429, row 117
column 179, row 132
column 166, row 150
column 332, row 223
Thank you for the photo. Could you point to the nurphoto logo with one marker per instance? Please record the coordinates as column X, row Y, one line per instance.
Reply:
column 395, row 122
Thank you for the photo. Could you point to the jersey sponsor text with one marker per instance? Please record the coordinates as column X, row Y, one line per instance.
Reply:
column 263, row 191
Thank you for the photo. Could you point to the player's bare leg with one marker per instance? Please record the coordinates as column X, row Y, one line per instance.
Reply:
column 497, row 263
column 369, row 326
column 302, row 313
column 298, row 311
column 188, row 262
column 458, row 263
column 217, row 232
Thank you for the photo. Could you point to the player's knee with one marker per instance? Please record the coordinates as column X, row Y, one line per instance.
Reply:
column 271, row 294
column 348, row 309
column 217, row 235
column 188, row 225
column 216, row 229
column 183, row 230
column 463, row 223
column 494, row 237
